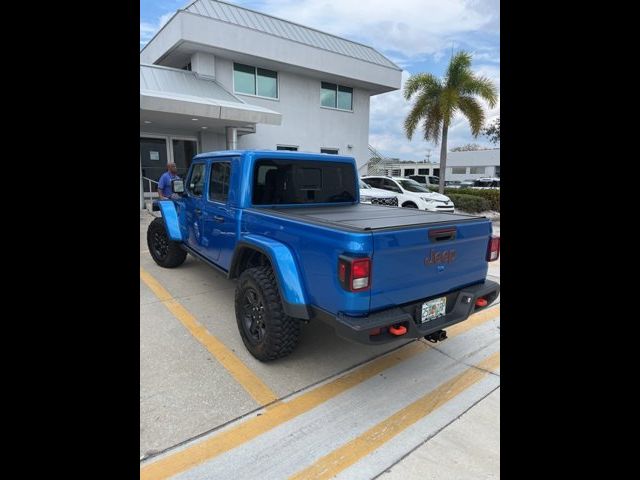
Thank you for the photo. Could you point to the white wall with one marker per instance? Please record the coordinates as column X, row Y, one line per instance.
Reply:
column 489, row 171
column 304, row 122
column 211, row 142
column 474, row 158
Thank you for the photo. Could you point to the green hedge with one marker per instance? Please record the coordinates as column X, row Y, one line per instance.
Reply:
column 491, row 195
column 469, row 203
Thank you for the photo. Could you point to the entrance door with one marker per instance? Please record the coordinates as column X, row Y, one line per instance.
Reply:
column 153, row 159
column 183, row 151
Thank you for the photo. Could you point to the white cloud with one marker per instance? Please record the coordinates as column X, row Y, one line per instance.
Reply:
column 148, row 30
column 411, row 27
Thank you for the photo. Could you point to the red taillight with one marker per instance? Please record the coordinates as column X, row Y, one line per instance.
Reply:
column 493, row 252
column 354, row 273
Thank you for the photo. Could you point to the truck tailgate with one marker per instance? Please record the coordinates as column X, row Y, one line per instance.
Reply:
column 416, row 263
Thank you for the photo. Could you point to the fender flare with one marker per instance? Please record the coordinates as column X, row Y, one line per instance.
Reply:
column 170, row 217
column 285, row 268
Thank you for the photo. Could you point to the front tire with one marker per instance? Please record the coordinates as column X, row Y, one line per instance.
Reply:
column 164, row 251
column 409, row 205
column 266, row 331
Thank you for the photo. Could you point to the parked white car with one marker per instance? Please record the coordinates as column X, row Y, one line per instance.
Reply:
column 375, row 196
column 411, row 194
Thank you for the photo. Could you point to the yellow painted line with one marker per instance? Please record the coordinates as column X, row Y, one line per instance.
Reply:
column 238, row 370
column 284, row 411
column 343, row 457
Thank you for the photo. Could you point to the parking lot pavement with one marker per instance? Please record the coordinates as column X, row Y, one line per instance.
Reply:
column 348, row 409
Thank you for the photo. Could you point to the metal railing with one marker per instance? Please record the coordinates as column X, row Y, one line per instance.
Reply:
column 377, row 162
column 148, row 205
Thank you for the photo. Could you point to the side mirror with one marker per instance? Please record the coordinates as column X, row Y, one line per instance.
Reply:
column 177, row 186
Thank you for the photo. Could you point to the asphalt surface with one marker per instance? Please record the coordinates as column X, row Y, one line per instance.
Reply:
column 332, row 409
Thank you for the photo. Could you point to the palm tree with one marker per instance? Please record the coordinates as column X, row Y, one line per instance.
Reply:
column 438, row 100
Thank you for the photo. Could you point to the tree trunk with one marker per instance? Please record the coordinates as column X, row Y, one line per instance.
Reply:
column 443, row 155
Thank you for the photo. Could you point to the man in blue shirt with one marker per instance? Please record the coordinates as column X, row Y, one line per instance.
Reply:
column 164, row 184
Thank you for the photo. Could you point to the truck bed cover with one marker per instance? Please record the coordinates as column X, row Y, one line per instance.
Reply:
column 365, row 217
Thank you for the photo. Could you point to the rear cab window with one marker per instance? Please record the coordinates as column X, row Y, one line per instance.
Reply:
column 290, row 182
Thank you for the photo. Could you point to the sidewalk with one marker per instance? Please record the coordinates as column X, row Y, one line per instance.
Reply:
column 467, row 449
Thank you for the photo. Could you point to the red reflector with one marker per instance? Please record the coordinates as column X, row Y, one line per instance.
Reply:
column 342, row 272
column 481, row 302
column 399, row 330
column 360, row 268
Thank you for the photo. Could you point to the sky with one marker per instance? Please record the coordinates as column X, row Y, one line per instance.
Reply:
column 417, row 35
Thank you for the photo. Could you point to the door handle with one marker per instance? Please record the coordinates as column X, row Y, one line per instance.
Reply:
column 198, row 211
column 218, row 218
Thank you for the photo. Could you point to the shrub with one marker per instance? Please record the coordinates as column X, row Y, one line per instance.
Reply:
column 491, row 195
column 470, row 203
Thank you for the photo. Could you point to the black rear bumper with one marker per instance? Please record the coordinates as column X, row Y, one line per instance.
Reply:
column 460, row 304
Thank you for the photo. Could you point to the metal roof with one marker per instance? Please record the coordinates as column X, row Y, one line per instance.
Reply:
column 244, row 17
column 182, row 82
column 171, row 84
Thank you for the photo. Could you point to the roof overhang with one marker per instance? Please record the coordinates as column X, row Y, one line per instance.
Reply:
column 187, row 32
column 178, row 97
column 199, row 107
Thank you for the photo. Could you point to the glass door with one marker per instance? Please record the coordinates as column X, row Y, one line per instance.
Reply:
column 183, row 151
column 153, row 159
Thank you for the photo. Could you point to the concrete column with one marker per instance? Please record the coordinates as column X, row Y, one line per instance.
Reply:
column 232, row 138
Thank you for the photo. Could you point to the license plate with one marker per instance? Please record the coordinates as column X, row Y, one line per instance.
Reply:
column 433, row 309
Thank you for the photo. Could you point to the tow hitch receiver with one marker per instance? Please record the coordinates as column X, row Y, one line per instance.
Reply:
column 438, row 336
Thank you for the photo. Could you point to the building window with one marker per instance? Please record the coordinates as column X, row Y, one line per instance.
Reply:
column 409, row 171
column 336, row 96
column 458, row 170
column 287, row 147
column 395, row 172
column 255, row 81
column 332, row 151
column 436, row 172
column 477, row 170
column 423, row 171
column 497, row 171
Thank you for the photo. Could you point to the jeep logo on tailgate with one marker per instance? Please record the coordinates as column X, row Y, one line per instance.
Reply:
column 447, row 256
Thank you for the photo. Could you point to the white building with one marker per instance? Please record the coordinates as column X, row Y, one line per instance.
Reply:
column 474, row 164
column 218, row 76
column 460, row 166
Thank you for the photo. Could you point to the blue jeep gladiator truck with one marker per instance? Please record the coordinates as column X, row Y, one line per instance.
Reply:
column 289, row 227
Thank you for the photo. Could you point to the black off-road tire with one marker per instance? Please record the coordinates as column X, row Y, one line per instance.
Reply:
column 275, row 334
column 164, row 251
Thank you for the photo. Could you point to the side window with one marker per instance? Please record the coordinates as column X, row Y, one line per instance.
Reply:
column 391, row 185
column 219, row 181
column 195, row 185
column 374, row 182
